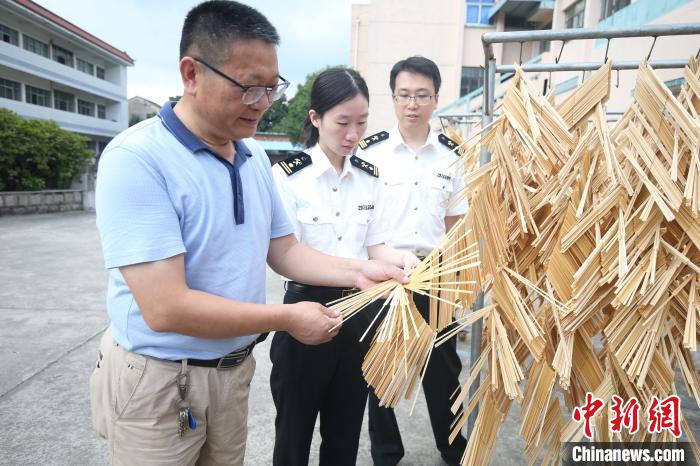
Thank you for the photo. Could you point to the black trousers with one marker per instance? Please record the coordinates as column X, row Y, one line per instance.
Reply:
column 440, row 381
column 326, row 379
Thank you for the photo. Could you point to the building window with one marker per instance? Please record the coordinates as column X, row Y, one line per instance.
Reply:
column 63, row 101
column 10, row 89
column 63, row 56
column 36, row 46
column 86, row 108
column 9, row 35
column 609, row 7
column 37, row 96
column 574, row 14
column 478, row 11
column 85, row 66
column 472, row 79
column 101, row 112
column 100, row 72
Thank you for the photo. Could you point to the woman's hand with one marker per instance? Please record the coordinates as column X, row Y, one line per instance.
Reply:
column 410, row 262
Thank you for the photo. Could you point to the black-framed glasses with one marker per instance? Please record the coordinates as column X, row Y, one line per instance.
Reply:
column 403, row 99
column 253, row 94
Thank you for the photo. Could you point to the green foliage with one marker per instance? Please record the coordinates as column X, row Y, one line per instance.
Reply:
column 293, row 122
column 273, row 116
column 37, row 154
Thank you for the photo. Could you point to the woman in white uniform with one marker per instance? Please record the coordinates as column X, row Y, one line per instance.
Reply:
column 334, row 200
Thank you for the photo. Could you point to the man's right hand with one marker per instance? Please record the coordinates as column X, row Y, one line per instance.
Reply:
column 310, row 322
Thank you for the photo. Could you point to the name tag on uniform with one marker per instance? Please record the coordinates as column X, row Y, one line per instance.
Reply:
column 365, row 207
column 444, row 177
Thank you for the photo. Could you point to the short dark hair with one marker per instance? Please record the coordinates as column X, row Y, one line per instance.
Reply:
column 418, row 65
column 211, row 27
column 330, row 88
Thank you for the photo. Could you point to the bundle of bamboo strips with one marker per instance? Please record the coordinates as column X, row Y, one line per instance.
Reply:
column 590, row 249
column 403, row 340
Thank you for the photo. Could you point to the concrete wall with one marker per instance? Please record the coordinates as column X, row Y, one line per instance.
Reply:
column 391, row 30
column 34, row 202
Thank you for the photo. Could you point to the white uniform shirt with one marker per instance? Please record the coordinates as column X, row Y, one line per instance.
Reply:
column 421, row 188
column 335, row 214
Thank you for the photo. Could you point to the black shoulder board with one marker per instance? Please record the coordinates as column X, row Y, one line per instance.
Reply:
column 296, row 162
column 449, row 143
column 373, row 139
column 365, row 166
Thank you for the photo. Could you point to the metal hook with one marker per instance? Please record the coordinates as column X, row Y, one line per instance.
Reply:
column 520, row 57
column 697, row 55
column 607, row 47
column 583, row 76
column 563, row 43
column 617, row 82
column 652, row 48
column 549, row 81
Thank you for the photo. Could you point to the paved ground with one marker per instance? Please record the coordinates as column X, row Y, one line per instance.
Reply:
column 52, row 291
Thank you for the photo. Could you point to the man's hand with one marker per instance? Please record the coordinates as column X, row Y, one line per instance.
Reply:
column 310, row 323
column 410, row 262
column 372, row 272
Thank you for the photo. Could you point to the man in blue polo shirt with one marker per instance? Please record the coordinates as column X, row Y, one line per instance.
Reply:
column 188, row 214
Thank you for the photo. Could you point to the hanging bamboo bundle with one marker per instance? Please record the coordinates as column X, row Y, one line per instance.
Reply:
column 592, row 234
column 403, row 340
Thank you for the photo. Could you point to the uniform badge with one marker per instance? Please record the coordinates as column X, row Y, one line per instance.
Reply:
column 373, row 139
column 365, row 166
column 449, row 143
column 296, row 162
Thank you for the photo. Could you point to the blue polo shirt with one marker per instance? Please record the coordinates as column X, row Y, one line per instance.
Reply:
column 162, row 192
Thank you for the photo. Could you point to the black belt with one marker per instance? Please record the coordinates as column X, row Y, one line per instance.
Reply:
column 319, row 291
column 233, row 359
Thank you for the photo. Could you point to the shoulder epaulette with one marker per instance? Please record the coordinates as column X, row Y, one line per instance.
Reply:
column 449, row 143
column 365, row 166
column 296, row 162
column 373, row 139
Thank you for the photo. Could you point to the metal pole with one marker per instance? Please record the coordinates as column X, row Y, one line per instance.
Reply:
column 478, row 326
column 591, row 33
column 590, row 66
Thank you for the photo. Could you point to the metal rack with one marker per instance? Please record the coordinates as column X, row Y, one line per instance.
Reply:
column 491, row 69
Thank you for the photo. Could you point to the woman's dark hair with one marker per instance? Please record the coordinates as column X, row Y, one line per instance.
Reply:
column 417, row 65
column 330, row 88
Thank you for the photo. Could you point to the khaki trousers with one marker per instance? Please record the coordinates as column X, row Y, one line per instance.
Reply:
column 135, row 405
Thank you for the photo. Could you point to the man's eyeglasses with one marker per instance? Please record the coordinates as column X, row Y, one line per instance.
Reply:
column 403, row 99
column 253, row 94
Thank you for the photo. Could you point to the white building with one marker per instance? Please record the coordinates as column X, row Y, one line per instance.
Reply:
column 449, row 32
column 51, row 69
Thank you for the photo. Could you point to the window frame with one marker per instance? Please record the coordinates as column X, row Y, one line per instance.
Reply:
column 14, row 87
column 100, row 72
column 12, row 34
column 27, row 40
column 571, row 14
column 482, row 6
column 83, row 103
column 57, row 48
column 29, row 92
column 101, row 111
column 58, row 95
column 79, row 63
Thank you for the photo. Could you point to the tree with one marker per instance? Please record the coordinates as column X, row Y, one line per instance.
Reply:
column 273, row 116
column 38, row 154
column 293, row 122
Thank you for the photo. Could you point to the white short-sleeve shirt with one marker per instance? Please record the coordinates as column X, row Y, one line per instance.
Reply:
column 421, row 188
column 337, row 214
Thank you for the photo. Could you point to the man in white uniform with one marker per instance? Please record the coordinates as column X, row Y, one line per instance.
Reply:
column 424, row 197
